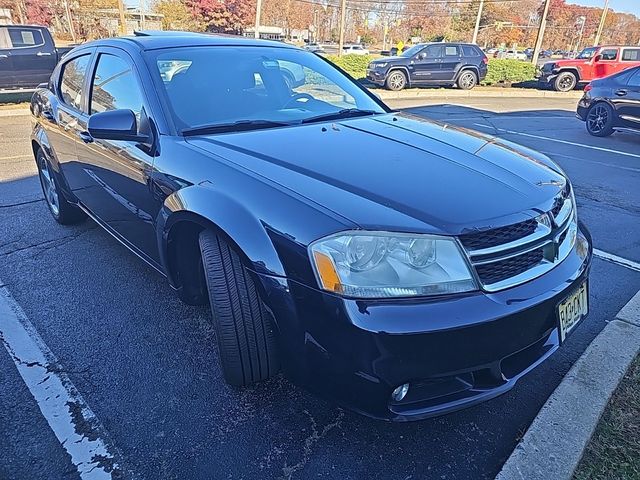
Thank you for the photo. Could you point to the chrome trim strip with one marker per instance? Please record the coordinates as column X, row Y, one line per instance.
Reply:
column 516, row 253
column 565, row 212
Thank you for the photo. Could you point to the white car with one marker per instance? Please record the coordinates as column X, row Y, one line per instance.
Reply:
column 354, row 50
column 515, row 55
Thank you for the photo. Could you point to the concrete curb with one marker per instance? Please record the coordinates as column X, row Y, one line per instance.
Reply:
column 475, row 93
column 558, row 436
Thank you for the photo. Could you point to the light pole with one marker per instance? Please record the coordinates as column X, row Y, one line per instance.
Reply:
column 343, row 15
column 543, row 25
column 602, row 20
column 478, row 18
column 582, row 20
column 258, row 11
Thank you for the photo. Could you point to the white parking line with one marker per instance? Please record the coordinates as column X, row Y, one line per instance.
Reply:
column 74, row 424
column 573, row 157
column 617, row 260
column 557, row 140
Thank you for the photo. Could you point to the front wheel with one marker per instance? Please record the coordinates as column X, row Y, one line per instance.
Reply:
column 565, row 82
column 396, row 81
column 599, row 121
column 467, row 80
column 62, row 211
column 244, row 331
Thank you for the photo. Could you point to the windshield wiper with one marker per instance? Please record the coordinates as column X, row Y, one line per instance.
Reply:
column 239, row 126
column 345, row 113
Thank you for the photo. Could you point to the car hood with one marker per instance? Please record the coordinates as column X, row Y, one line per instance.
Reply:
column 398, row 171
column 570, row 63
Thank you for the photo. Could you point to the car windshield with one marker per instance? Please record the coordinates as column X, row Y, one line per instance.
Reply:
column 260, row 87
column 587, row 53
column 412, row 51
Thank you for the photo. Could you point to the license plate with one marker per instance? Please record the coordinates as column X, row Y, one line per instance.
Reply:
column 572, row 309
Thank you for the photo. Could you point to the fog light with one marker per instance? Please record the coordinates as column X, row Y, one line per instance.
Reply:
column 400, row 392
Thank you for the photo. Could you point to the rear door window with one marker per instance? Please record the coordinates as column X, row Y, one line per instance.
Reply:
column 451, row 51
column 72, row 79
column 631, row 55
column 25, row 37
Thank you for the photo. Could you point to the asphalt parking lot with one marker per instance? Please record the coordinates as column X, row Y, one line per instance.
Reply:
column 146, row 364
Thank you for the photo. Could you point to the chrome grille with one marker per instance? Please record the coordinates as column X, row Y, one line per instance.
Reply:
column 507, row 256
column 490, row 273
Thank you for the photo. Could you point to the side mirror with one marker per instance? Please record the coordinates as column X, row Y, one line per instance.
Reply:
column 422, row 56
column 597, row 58
column 116, row 125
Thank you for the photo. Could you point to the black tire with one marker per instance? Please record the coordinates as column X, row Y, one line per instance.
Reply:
column 244, row 331
column 600, row 119
column 64, row 212
column 396, row 80
column 467, row 80
column 565, row 82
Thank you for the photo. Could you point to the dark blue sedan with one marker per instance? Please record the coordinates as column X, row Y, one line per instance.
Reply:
column 402, row 267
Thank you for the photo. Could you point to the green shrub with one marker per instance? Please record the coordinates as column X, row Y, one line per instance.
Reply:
column 509, row 71
column 354, row 65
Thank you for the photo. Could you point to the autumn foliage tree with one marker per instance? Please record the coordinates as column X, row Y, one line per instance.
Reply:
column 223, row 16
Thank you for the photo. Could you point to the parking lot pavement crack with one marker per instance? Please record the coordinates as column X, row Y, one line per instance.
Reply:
column 309, row 442
column 18, row 204
column 47, row 244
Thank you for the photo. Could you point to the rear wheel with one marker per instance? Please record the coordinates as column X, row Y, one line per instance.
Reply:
column 565, row 82
column 244, row 331
column 467, row 80
column 599, row 121
column 62, row 211
column 396, row 80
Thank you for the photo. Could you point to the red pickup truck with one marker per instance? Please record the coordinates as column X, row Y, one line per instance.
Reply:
column 591, row 64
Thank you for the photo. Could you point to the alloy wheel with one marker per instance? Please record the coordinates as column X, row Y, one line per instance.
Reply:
column 467, row 81
column 396, row 81
column 49, row 187
column 597, row 119
column 566, row 83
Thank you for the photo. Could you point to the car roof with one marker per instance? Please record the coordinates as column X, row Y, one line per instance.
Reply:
column 153, row 40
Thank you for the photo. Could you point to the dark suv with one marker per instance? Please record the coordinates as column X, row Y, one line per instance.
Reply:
column 461, row 64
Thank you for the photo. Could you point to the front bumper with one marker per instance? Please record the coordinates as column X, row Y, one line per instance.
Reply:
column 454, row 351
column 376, row 76
column 583, row 108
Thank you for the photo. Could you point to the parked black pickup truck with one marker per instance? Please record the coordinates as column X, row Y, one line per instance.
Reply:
column 28, row 55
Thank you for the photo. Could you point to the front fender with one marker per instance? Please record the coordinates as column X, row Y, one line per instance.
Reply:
column 215, row 209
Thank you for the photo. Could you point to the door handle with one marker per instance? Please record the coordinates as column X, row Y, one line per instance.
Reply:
column 2, row 55
column 622, row 92
column 43, row 54
column 85, row 137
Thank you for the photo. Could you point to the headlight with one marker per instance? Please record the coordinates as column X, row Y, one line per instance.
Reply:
column 382, row 265
column 379, row 65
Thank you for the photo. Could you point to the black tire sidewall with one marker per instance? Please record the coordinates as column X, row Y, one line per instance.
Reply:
column 245, row 335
